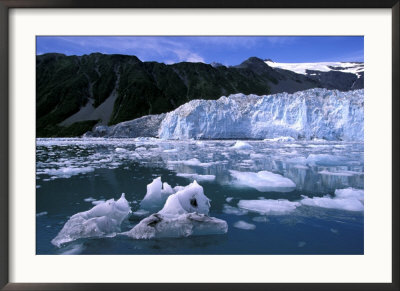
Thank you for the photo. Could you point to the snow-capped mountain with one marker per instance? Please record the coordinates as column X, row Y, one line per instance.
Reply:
column 356, row 68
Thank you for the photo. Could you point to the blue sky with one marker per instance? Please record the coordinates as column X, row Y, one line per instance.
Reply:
column 228, row 50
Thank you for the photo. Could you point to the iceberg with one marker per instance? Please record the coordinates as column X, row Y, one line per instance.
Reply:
column 241, row 145
column 310, row 114
column 185, row 213
column 102, row 220
column 156, row 195
column 263, row 181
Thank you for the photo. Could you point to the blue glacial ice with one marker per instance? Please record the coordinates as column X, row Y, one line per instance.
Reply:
column 103, row 220
column 185, row 213
column 311, row 114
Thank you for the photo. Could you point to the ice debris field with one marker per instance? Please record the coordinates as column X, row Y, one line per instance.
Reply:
column 190, row 196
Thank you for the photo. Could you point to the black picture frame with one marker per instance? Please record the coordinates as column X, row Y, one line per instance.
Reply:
column 6, row 5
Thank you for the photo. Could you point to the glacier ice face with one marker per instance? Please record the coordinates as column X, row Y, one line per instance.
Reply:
column 185, row 213
column 311, row 114
column 102, row 220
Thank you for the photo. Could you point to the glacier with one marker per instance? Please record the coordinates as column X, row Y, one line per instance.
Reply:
column 310, row 114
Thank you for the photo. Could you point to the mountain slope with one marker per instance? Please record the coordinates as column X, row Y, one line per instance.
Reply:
column 75, row 92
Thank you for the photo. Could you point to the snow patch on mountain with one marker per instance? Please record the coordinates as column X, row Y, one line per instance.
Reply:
column 301, row 68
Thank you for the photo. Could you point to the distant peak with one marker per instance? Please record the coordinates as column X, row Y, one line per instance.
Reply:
column 268, row 60
column 215, row 64
column 253, row 63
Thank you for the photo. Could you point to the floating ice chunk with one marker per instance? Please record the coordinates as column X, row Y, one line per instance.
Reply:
column 244, row 225
column 120, row 150
column 263, row 181
column 229, row 199
column 350, row 193
column 41, row 213
column 102, row 220
column 183, row 225
column 66, row 172
column 170, row 151
column 197, row 177
column 269, row 206
column 140, row 149
column 324, row 160
column 192, row 162
column 350, row 204
column 155, row 196
column 190, row 199
column 345, row 199
column 280, row 139
column 233, row 210
column 241, row 145
column 184, row 214
column 167, row 189
column 89, row 199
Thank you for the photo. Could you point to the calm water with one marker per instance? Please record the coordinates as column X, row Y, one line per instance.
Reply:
column 70, row 171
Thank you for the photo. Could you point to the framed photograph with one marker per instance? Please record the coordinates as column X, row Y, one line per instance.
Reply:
column 169, row 145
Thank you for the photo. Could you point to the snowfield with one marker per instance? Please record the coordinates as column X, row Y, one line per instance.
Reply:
column 301, row 68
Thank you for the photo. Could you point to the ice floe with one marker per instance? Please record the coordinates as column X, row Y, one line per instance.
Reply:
column 197, row 177
column 244, row 225
column 263, row 181
column 65, row 172
column 269, row 206
column 227, row 209
column 344, row 199
column 102, row 220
